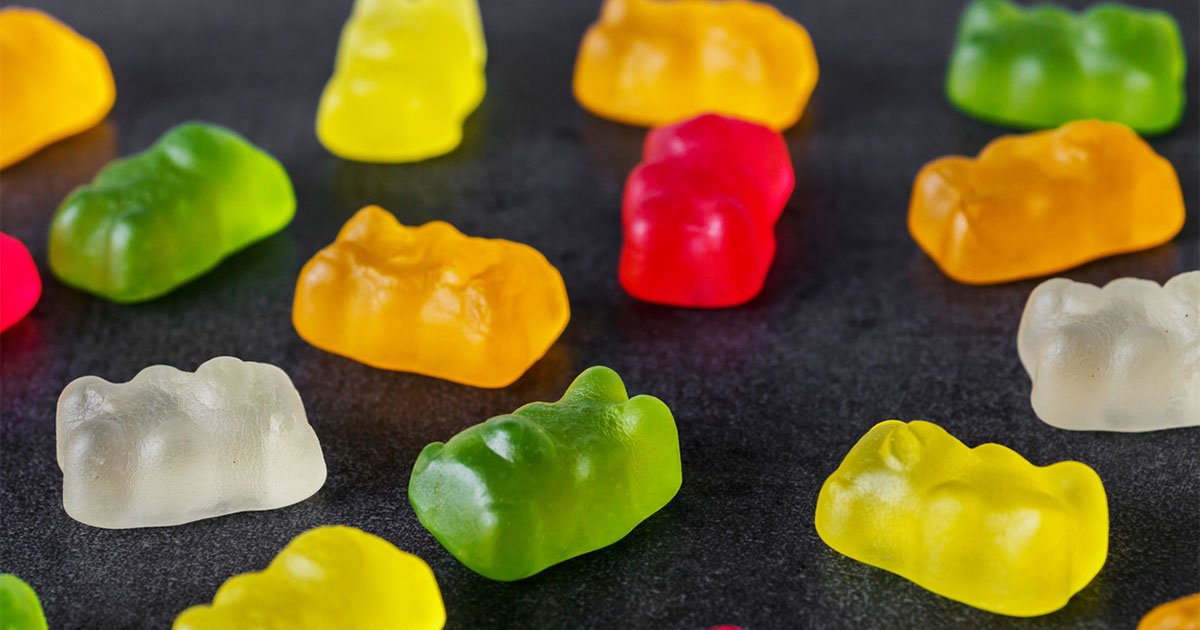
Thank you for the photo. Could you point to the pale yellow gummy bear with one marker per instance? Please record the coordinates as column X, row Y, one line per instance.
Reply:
column 328, row 577
column 979, row 525
column 407, row 74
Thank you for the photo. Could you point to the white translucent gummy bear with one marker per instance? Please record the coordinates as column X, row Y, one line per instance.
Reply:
column 171, row 447
column 1122, row 358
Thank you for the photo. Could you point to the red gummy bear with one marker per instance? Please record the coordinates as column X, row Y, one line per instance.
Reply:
column 700, row 212
column 20, row 284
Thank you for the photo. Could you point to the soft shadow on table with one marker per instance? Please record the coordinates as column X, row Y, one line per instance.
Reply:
column 416, row 192
column 615, row 147
column 973, row 307
column 859, row 588
column 34, row 187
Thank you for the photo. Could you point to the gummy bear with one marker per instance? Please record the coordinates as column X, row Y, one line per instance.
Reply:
column 19, row 605
column 430, row 300
column 1039, row 203
column 56, row 83
column 550, row 481
column 171, row 447
column 654, row 62
column 1178, row 614
column 20, row 284
column 328, row 577
column 153, row 221
column 1125, row 357
column 700, row 210
column 981, row 525
column 407, row 75
column 1044, row 65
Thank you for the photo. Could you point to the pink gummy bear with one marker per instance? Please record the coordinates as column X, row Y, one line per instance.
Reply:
column 20, row 284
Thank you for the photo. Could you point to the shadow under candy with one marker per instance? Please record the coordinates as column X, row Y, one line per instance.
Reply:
column 34, row 187
column 615, row 147
column 1000, row 305
column 416, row 192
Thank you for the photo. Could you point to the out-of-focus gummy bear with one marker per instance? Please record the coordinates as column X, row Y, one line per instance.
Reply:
column 20, row 284
column 329, row 577
column 430, row 300
column 407, row 74
column 171, row 447
column 19, row 605
column 700, row 210
column 1039, row 203
column 655, row 62
column 56, row 83
column 981, row 525
column 1044, row 66
column 153, row 221
column 550, row 481
column 1125, row 357
column 1178, row 614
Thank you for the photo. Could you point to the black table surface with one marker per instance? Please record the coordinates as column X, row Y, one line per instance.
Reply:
column 855, row 325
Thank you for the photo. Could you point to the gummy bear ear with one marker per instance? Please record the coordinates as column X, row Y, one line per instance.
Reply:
column 901, row 449
column 615, row 10
column 597, row 383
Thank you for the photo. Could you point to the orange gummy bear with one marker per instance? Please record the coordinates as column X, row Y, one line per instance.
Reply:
column 430, row 300
column 56, row 83
column 654, row 62
column 1035, row 204
column 1177, row 614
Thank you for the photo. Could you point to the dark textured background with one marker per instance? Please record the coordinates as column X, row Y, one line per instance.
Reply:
column 854, row 326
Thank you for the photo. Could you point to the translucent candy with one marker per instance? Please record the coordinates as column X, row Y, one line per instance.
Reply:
column 170, row 447
column 980, row 525
column 1125, row 357
column 327, row 578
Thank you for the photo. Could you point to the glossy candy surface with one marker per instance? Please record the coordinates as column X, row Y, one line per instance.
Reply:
column 1042, row 66
column 407, row 74
column 56, row 83
column 19, row 605
column 654, row 62
column 1178, row 614
column 328, row 577
column 699, row 212
column 153, row 221
column 1043, row 202
column 20, row 283
column 430, row 300
column 550, row 481
column 981, row 525
column 171, row 447
column 1125, row 357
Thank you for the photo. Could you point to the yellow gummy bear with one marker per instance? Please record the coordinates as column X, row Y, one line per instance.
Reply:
column 328, row 577
column 55, row 83
column 981, row 525
column 407, row 74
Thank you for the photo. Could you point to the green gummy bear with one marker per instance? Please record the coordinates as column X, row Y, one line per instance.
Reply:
column 19, row 605
column 153, row 221
column 1044, row 66
column 550, row 481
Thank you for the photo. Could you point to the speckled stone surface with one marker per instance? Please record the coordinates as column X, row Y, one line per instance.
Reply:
column 854, row 326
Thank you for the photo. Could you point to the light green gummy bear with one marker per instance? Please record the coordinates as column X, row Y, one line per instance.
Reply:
column 153, row 221
column 550, row 481
column 1043, row 66
column 19, row 606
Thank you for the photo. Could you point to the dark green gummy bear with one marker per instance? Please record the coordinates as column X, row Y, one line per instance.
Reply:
column 155, row 220
column 550, row 481
column 1043, row 66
